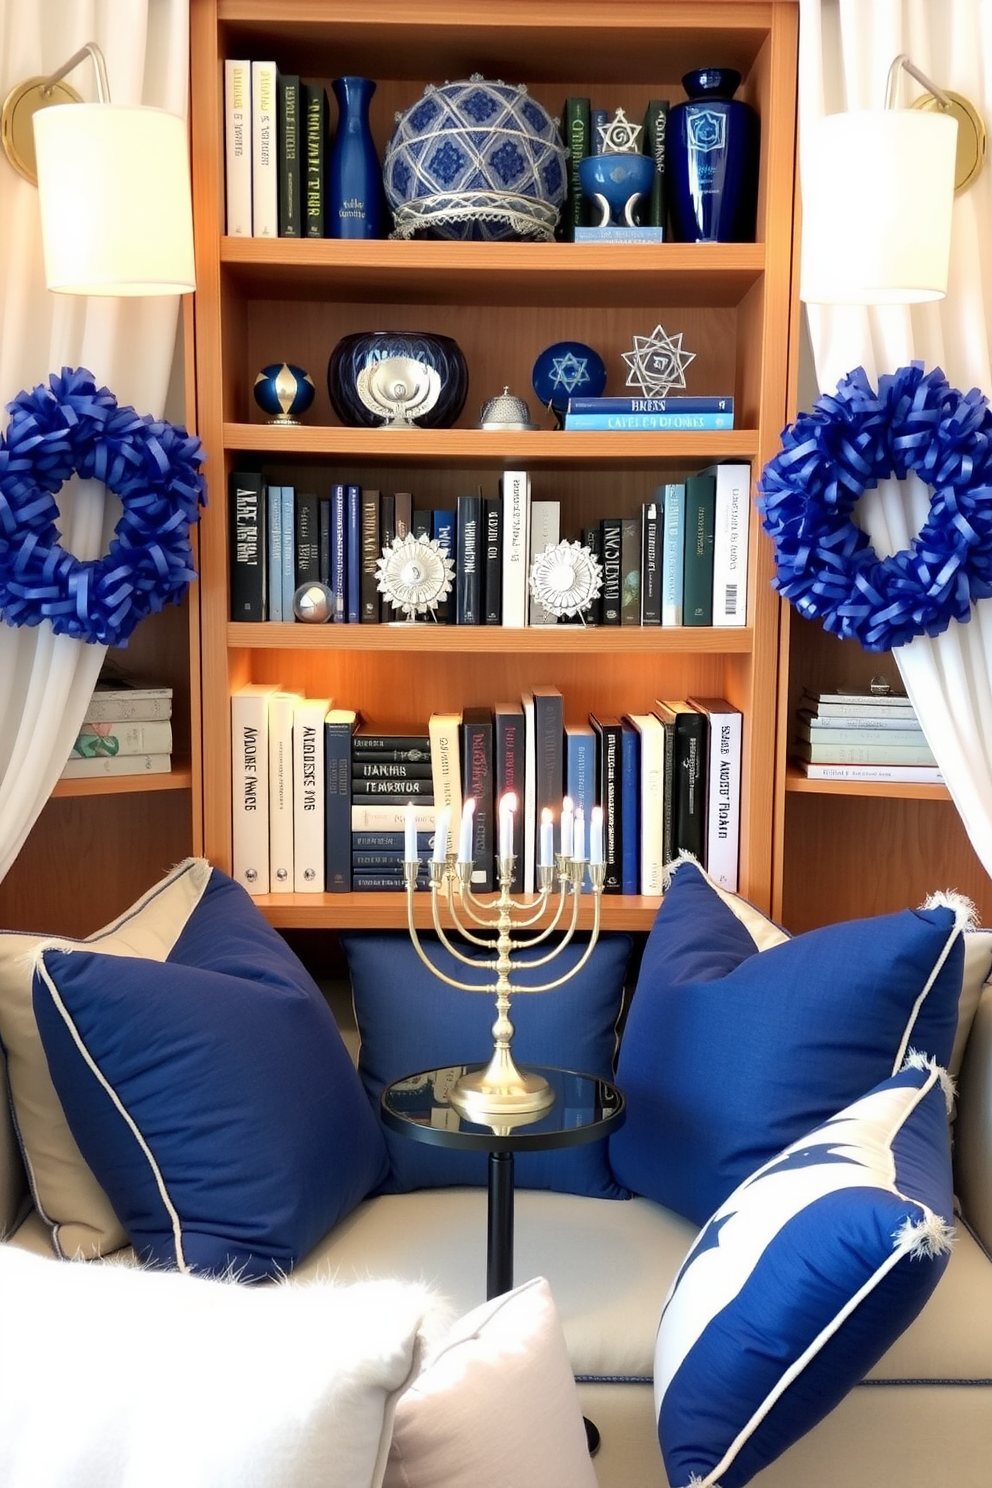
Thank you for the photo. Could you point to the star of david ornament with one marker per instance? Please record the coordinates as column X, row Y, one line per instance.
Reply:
column 619, row 136
column 657, row 363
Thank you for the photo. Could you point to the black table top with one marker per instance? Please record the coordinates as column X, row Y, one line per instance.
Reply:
column 584, row 1108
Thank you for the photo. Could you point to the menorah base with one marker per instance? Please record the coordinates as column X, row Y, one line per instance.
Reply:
column 500, row 1091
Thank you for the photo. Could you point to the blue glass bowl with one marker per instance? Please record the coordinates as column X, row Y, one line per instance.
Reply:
column 353, row 354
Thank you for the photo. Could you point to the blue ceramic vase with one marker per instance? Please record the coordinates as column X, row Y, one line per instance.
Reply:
column 355, row 205
column 712, row 161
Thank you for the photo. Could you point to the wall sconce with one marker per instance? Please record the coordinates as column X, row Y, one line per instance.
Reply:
column 878, row 191
column 113, row 186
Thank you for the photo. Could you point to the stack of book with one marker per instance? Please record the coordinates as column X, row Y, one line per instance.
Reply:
column 276, row 144
column 581, row 129
column 859, row 735
column 678, row 411
column 389, row 772
column 680, row 560
column 127, row 731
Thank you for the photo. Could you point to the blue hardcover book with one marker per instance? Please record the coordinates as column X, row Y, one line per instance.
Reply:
column 443, row 529
column 274, row 598
column 672, row 555
column 580, row 774
column 630, row 794
column 339, row 725
column 659, row 422
column 598, row 120
column 353, row 555
column 287, row 510
column 339, row 533
column 671, row 403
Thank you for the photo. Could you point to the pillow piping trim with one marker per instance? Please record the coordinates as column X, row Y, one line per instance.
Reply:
column 105, row 1084
column 935, row 970
column 906, row 1241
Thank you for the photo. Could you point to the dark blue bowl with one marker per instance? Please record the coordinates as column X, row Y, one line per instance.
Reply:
column 353, row 354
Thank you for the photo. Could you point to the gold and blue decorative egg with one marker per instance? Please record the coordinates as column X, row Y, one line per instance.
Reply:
column 283, row 392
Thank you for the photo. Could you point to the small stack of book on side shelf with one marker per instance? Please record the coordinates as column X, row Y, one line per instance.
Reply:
column 856, row 734
column 322, row 799
column 674, row 411
column 127, row 731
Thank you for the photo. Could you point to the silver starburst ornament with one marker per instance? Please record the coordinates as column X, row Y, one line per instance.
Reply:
column 657, row 363
column 566, row 578
column 414, row 574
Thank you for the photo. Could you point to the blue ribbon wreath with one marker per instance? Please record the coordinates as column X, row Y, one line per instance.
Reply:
column 69, row 427
column 852, row 439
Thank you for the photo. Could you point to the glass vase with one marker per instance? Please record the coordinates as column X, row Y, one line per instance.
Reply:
column 712, row 161
column 355, row 198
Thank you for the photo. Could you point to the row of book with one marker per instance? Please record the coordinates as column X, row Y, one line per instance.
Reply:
column 583, row 122
column 853, row 734
column 127, row 730
column 632, row 414
column 322, row 801
column 276, row 143
column 681, row 561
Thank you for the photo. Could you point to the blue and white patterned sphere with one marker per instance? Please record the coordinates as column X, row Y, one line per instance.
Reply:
column 475, row 160
column 283, row 391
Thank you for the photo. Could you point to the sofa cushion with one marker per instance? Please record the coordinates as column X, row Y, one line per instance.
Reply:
column 495, row 1404
column 210, row 1092
column 739, row 1038
column 409, row 1020
column 161, row 1379
column 802, row 1278
column 66, row 1193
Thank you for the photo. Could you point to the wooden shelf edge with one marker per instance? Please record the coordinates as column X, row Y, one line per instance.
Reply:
column 796, row 781
column 489, row 640
column 180, row 777
column 387, row 911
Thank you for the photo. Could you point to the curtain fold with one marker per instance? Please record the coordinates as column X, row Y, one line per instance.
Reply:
column 128, row 344
column 845, row 50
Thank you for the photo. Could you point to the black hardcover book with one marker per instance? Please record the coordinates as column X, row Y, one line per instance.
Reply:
column 610, row 536
column 324, row 524
column 339, row 726
column 691, row 738
column 369, row 582
column 575, row 135
column 399, row 786
column 549, row 751
column 593, row 540
column 314, row 100
column 697, row 552
column 508, row 762
column 393, row 843
column 402, row 512
column 468, row 561
column 492, row 576
column 420, row 522
column 386, row 860
column 609, row 783
column 391, row 797
column 290, row 157
column 248, row 546
column 387, row 531
column 387, row 882
column 650, row 564
column 307, row 538
column 630, row 571
column 371, row 744
column 367, row 768
column 478, row 782
column 655, row 127
column 668, row 848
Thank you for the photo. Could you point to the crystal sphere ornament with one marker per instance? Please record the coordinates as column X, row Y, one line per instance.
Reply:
column 313, row 603
column 283, row 392
column 711, row 161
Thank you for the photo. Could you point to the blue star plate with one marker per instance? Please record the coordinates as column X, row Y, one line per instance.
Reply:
column 568, row 369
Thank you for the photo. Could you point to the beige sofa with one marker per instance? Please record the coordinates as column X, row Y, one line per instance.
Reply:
column 923, row 1415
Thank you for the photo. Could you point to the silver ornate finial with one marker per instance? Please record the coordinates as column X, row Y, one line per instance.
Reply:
column 414, row 574
column 566, row 578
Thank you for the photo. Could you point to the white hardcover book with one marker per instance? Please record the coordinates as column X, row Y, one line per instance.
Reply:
column 264, row 152
column 730, row 543
column 117, row 764
column 651, row 847
column 723, row 790
column 118, row 740
column 250, row 785
column 308, row 795
column 238, row 146
column 124, row 702
column 392, row 818
column 282, row 707
column 444, row 731
column 545, row 528
column 529, row 803
column 672, row 542
column 516, row 546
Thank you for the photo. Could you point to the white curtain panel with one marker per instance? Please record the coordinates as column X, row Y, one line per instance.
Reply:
column 128, row 345
column 845, row 50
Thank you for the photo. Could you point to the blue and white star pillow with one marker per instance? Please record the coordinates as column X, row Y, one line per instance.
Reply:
column 802, row 1279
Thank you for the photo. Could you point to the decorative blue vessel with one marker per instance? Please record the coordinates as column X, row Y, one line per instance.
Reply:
column 356, row 204
column 712, row 161
column 616, row 183
column 397, row 378
column 283, row 392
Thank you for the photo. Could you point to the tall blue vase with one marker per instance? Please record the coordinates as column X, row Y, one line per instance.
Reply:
column 355, row 206
column 712, row 161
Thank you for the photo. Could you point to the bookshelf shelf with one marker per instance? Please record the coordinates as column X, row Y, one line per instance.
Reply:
column 180, row 777
column 795, row 780
column 436, row 640
column 372, row 911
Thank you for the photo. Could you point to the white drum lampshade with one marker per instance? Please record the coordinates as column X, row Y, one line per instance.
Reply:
column 878, row 193
column 114, row 194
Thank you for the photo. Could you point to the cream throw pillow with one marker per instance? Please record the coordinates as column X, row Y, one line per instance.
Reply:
column 68, row 1197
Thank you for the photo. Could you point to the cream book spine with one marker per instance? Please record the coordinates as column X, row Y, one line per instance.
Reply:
column 723, row 790
column 528, row 806
column 651, row 847
column 250, row 785
column 516, row 546
column 281, row 710
column 238, row 146
column 308, row 795
column 159, row 763
column 444, row 731
column 264, row 152
column 731, row 524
